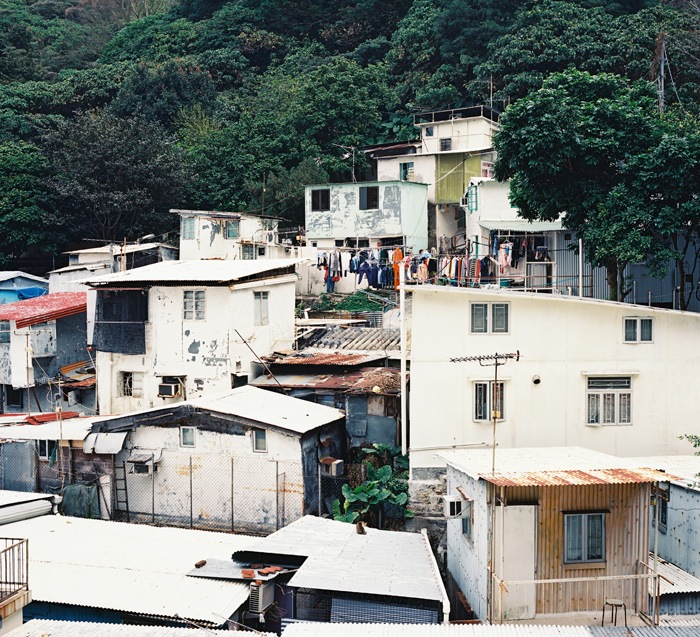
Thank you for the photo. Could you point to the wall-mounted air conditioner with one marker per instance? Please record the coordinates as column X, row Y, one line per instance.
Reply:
column 262, row 596
column 169, row 390
column 453, row 506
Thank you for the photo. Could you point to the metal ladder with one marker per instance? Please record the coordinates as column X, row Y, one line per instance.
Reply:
column 121, row 496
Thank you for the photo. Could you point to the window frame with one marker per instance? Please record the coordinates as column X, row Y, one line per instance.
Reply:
column 184, row 430
column 468, row 520
column 49, row 448
column 663, row 495
column 255, row 440
column 320, row 199
column 188, row 230
column 261, row 307
column 604, row 396
column 131, row 380
column 430, row 131
column 368, row 195
column 406, row 170
column 14, row 396
column 491, row 325
column 638, row 322
column 477, row 386
column 445, row 144
column 5, row 332
column 235, row 225
column 585, row 516
column 198, row 309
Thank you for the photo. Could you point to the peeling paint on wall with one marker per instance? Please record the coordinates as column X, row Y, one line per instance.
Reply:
column 194, row 347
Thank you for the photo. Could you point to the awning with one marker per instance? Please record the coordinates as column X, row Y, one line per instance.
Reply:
column 521, row 225
column 104, row 443
column 145, row 456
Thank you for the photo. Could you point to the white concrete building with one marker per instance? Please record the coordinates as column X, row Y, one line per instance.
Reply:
column 613, row 377
column 176, row 330
column 229, row 235
column 455, row 146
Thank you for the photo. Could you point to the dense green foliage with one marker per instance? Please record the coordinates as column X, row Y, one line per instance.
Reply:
column 241, row 102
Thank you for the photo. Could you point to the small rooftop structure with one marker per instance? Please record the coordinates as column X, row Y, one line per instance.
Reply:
column 355, row 339
column 44, row 308
column 308, row 358
column 116, row 249
column 132, row 568
column 550, row 466
column 45, row 427
column 203, row 272
column 8, row 275
column 359, row 381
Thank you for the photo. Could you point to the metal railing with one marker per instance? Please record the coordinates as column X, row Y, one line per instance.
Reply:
column 14, row 567
column 524, row 599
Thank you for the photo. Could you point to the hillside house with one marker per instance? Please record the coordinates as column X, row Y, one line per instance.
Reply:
column 247, row 460
column 330, row 573
column 230, row 235
column 603, row 375
column 40, row 338
column 176, row 330
column 548, row 531
column 17, row 286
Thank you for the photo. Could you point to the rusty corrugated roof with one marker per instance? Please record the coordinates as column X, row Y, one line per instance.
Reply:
column 574, row 477
column 362, row 381
column 325, row 358
column 44, row 308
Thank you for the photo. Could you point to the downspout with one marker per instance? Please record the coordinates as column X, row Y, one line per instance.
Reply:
column 580, row 267
column 402, row 311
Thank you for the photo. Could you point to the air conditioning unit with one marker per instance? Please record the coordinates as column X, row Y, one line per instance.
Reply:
column 336, row 468
column 168, row 390
column 453, row 506
column 262, row 596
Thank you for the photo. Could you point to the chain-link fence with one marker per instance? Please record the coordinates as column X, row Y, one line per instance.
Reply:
column 240, row 494
column 18, row 466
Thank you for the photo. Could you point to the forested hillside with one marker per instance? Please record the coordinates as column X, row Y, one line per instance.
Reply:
column 114, row 111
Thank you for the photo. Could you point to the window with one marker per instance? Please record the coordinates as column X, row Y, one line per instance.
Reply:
column 497, row 312
column 584, row 537
column 131, row 384
column 638, row 330
column 188, row 226
column 369, row 197
column 609, row 400
column 406, row 171
column 248, row 251
column 187, row 436
column 660, row 499
column 320, row 200
column 14, row 397
column 259, row 440
column 446, row 143
column 233, row 229
column 47, row 448
column 4, row 331
column 468, row 520
column 260, row 300
column 483, row 401
column 429, row 131
column 194, row 305
column 487, row 169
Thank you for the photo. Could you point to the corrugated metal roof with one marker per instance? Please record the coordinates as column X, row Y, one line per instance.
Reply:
column 195, row 271
column 318, row 629
column 129, row 567
column 6, row 275
column 549, row 466
column 387, row 379
column 10, row 498
column 340, row 559
column 57, row 628
column 116, row 248
column 41, row 309
column 683, row 582
column 73, row 429
column 109, row 443
column 308, row 357
column 270, row 408
column 686, row 468
column 370, row 339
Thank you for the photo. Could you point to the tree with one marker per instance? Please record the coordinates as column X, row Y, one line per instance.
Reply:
column 24, row 222
column 565, row 147
column 114, row 177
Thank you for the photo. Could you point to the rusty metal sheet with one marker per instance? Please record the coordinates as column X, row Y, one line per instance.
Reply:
column 575, row 477
column 44, row 308
column 387, row 379
column 326, row 358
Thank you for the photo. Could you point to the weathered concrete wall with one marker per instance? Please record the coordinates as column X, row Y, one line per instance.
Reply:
column 210, row 240
column 680, row 543
column 206, row 352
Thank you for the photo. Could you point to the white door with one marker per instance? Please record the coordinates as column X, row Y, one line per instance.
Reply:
column 515, row 562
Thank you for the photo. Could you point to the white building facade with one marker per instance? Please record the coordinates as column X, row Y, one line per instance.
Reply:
column 608, row 376
column 177, row 330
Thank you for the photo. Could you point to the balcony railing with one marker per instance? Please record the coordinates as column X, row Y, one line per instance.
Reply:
column 14, row 567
